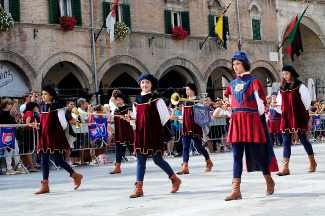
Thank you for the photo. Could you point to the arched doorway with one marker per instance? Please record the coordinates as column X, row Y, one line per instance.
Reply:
column 66, row 77
column 266, row 78
column 310, row 63
column 123, row 77
column 174, row 79
column 218, row 81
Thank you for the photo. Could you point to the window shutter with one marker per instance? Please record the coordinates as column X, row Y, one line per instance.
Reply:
column 106, row 9
column 54, row 15
column 225, row 19
column 76, row 11
column 14, row 9
column 256, row 29
column 127, row 15
column 185, row 16
column 168, row 20
column 212, row 26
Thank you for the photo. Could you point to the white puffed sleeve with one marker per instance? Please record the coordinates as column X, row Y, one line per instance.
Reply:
column 163, row 111
column 62, row 119
column 305, row 96
column 133, row 115
column 278, row 103
column 260, row 102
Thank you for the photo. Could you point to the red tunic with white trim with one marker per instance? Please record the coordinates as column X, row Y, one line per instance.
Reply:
column 274, row 120
column 51, row 136
column 245, row 123
column 123, row 130
column 149, row 133
column 189, row 126
column 294, row 115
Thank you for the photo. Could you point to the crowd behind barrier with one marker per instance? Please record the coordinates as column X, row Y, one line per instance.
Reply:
column 86, row 151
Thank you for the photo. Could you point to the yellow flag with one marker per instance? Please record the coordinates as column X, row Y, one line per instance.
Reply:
column 219, row 27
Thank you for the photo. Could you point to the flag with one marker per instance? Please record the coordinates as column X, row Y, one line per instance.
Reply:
column 221, row 28
column 293, row 41
column 99, row 130
column 7, row 136
column 318, row 122
column 110, row 21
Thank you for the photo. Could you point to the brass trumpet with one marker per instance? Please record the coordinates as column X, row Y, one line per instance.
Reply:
column 175, row 99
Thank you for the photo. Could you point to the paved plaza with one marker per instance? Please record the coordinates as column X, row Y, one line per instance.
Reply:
column 201, row 193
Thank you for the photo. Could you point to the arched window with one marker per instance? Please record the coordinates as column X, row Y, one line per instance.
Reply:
column 254, row 8
column 216, row 3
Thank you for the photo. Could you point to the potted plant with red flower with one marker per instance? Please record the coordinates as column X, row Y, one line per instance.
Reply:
column 179, row 33
column 67, row 23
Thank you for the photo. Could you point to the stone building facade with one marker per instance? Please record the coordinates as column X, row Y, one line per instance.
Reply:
column 37, row 47
column 311, row 62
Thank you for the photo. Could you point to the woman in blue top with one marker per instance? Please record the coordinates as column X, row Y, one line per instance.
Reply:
column 177, row 112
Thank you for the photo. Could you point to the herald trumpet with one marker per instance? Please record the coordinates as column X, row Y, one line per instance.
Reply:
column 76, row 112
column 175, row 99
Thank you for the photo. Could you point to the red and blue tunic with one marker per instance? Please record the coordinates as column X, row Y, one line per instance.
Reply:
column 274, row 121
column 123, row 130
column 189, row 126
column 149, row 133
column 51, row 135
column 245, row 123
column 294, row 115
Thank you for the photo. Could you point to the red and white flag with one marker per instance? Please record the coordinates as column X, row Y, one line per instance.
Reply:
column 110, row 21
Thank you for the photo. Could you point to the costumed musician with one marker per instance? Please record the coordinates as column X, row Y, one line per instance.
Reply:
column 274, row 121
column 247, row 129
column 192, row 131
column 150, row 115
column 54, row 138
column 292, row 103
column 124, row 134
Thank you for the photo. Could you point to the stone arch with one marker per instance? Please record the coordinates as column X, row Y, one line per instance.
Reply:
column 188, row 66
column 87, row 73
column 121, row 59
column 270, row 69
column 317, row 27
column 219, row 63
column 27, row 71
column 253, row 5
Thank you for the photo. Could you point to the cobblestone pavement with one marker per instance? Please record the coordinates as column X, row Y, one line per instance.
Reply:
column 201, row 193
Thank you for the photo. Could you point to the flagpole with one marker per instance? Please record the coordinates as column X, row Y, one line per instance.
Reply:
column 215, row 25
column 282, row 44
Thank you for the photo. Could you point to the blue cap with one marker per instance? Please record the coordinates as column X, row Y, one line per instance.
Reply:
column 290, row 69
column 192, row 86
column 240, row 56
column 121, row 95
column 51, row 91
column 274, row 93
column 154, row 81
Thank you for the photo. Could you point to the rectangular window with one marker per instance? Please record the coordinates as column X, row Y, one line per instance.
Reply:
column 5, row 4
column 118, row 13
column 216, row 18
column 65, row 8
column 256, row 24
column 176, row 20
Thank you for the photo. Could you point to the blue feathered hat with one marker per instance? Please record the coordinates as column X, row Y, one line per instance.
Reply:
column 275, row 93
column 240, row 56
column 290, row 69
column 192, row 86
column 51, row 91
column 121, row 95
column 154, row 81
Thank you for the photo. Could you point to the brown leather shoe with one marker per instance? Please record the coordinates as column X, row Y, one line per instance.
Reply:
column 176, row 183
column 138, row 192
column 184, row 170
column 117, row 169
column 45, row 187
column 269, row 184
column 235, row 193
column 285, row 167
column 209, row 165
column 313, row 164
column 77, row 179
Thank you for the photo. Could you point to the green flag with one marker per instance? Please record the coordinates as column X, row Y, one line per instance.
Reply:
column 292, row 33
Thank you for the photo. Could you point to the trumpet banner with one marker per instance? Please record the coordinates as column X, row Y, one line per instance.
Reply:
column 201, row 115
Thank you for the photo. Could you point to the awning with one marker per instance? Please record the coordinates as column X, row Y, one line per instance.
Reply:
column 11, row 82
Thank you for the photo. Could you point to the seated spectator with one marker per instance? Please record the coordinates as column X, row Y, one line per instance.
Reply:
column 30, row 135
